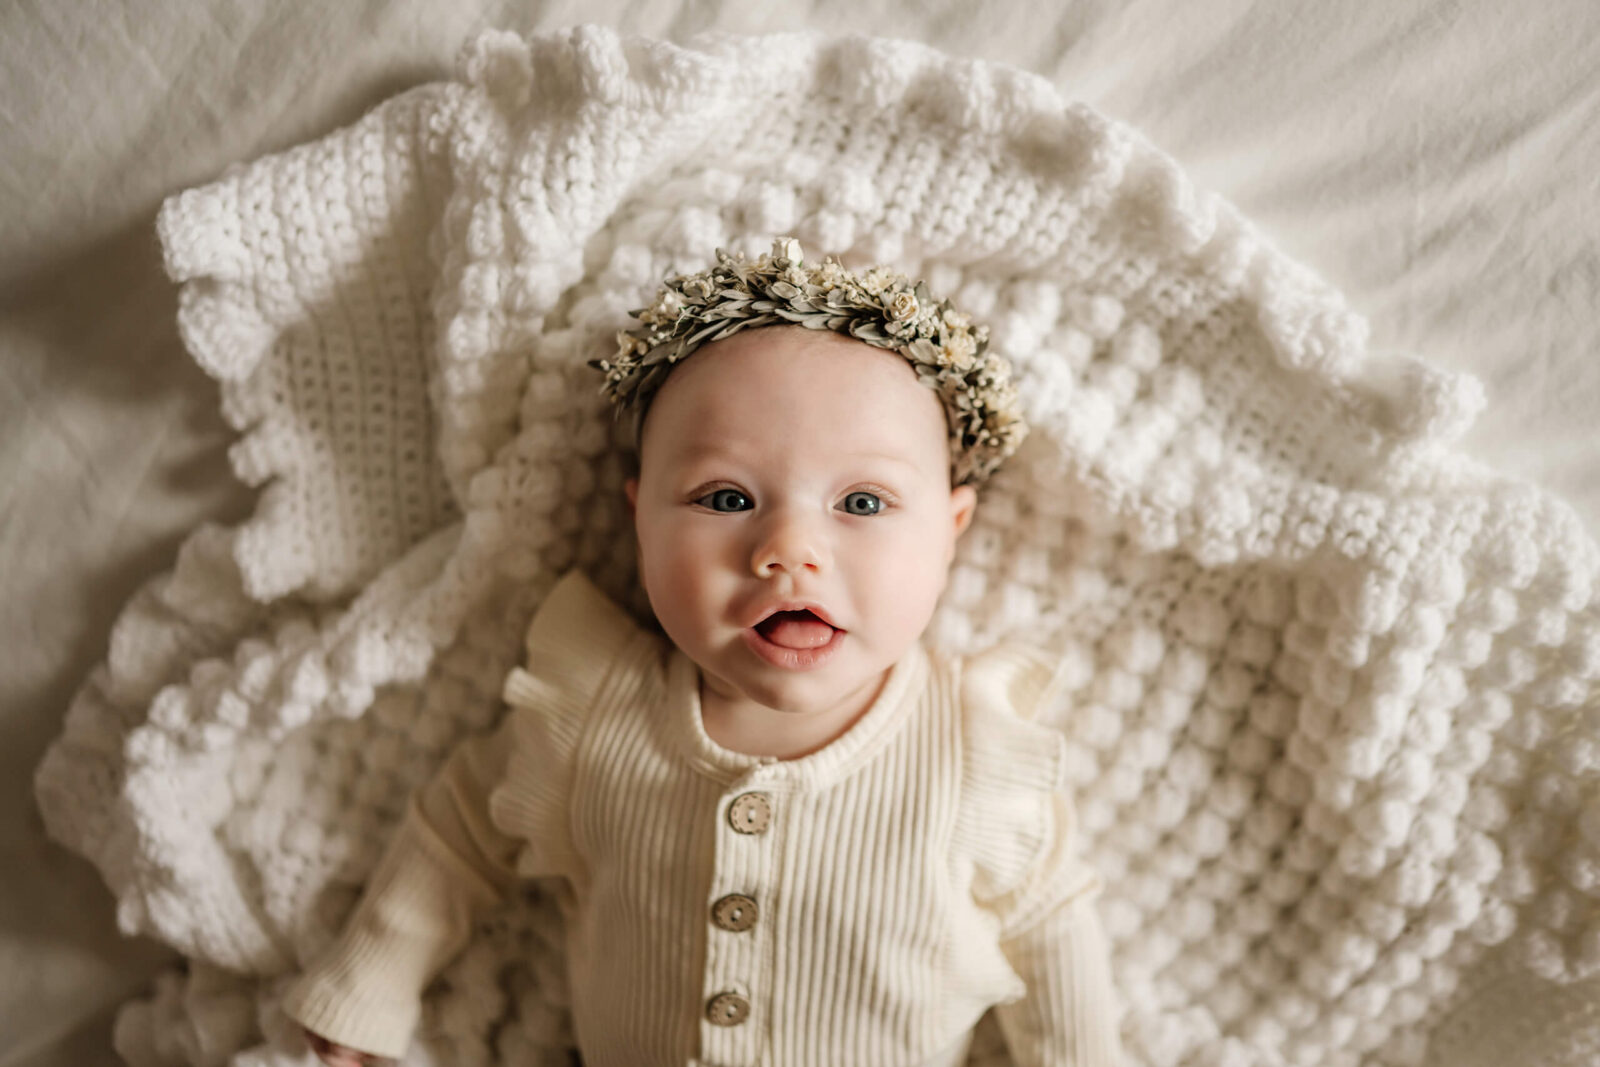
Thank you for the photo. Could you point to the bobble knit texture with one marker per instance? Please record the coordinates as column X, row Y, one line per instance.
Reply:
column 1330, row 708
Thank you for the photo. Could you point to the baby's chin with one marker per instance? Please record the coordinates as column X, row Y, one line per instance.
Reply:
column 798, row 695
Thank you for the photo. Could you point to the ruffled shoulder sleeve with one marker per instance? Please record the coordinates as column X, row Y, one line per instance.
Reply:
column 1016, row 820
column 575, row 640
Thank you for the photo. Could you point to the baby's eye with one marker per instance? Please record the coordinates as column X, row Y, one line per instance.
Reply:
column 861, row 503
column 725, row 500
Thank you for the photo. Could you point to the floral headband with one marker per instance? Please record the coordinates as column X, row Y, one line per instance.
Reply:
column 880, row 307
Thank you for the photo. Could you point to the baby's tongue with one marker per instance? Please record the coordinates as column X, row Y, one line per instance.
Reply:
column 795, row 629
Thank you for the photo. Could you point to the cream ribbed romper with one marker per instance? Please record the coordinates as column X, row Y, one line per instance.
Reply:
column 860, row 905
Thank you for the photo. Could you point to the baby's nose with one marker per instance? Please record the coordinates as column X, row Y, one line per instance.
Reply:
column 791, row 545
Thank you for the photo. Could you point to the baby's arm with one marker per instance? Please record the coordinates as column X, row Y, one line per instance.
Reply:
column 1068, row 1017
column 1031, row 876
column 446, row 862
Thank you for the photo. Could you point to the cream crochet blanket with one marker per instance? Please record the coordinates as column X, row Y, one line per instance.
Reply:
column 1334, row 718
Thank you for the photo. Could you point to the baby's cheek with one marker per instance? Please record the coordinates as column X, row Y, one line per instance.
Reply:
column 683, row 575
column 911, row 581
column 663, row 547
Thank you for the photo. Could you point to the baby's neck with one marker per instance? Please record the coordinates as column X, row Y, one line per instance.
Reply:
column 744, row 726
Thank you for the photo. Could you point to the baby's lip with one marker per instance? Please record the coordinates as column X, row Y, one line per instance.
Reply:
column 771, row 608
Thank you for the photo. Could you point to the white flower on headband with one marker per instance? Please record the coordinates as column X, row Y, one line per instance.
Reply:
column 881, row 308
column 961, row 350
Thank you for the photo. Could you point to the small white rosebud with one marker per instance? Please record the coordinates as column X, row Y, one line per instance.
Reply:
column 903, row 306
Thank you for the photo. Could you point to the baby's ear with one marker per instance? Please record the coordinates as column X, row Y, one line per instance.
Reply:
column 631, row 487
column 963, row 506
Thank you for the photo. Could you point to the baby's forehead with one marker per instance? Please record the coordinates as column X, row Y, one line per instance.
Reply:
column 714, row 448
column 792, row 368
column 830, row 395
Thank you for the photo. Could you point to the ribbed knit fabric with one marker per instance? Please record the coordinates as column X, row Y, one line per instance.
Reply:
column 1328, row 686
column 907, row 876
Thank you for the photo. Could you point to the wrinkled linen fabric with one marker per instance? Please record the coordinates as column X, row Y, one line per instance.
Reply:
column 1331, row 706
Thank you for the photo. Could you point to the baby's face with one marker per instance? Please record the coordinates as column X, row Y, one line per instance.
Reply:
column 783, row 466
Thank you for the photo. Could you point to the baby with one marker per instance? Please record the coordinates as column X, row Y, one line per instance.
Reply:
column 788, row 836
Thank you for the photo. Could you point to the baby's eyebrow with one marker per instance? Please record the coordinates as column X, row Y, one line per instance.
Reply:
column 706, row 453
column 717, row 453
column 715, row 450
column 889, row 457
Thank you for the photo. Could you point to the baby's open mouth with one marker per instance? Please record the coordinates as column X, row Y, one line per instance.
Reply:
column 795, row 629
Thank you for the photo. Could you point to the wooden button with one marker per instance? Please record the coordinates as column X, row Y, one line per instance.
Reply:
column 727, row 1009
column 735, row 912
column 750, row 813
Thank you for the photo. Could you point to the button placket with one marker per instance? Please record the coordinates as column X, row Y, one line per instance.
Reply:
column 736, row 928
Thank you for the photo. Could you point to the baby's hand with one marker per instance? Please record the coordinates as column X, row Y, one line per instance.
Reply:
column 339, row 1056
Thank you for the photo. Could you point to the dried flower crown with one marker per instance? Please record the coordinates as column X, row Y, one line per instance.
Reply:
column 880, row 307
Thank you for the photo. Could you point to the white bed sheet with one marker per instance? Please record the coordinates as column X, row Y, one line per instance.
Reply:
column 1438, row 162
